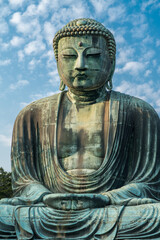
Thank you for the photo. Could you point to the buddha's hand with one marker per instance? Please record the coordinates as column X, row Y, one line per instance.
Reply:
column 140, row 201
column 13, row 201
column 75, row 201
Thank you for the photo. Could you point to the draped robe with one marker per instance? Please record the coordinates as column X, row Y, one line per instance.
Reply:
column 131, row 169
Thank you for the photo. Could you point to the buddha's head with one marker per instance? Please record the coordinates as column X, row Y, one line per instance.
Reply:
column 85, row 54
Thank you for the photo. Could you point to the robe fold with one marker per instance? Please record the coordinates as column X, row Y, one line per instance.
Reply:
column 130, row 170
column 131, row 167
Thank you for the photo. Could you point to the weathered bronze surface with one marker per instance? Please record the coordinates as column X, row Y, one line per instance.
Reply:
column 85, row 162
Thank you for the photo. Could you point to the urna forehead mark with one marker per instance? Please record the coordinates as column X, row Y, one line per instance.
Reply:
column 80, row 44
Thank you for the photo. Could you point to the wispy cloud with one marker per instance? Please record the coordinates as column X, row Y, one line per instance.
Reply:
column 101, row 5
column 125, row 54
column 17, row 41
column 140, row 30
column 20, row 56
column 133, row 68
column 26, row 25
column 147, row 73
column 4, row 45
column 35, row 97
column 16, row 3
column 3, row 27
column 147, row 4
column 34, row 47
column 158, row 43
column 115, row 13
column 32, row 64
column 145, row 91
column 5, row 62
column 49, row 32
column 18, row 84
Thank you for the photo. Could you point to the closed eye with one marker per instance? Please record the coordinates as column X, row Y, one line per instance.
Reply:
column 69, row 56
column 93, row 54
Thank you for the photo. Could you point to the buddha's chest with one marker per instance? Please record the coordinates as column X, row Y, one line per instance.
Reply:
column 81, row 137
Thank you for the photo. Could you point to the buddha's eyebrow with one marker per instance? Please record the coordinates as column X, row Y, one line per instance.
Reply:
column 94, row 49
column 68, row 48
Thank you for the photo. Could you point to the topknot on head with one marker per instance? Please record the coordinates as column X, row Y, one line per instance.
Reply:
column 85, row 26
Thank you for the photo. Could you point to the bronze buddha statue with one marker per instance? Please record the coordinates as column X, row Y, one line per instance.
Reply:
column 86, row 161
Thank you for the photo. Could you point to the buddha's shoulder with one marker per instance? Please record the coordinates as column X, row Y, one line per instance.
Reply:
column 41, row 105
column 132, row 102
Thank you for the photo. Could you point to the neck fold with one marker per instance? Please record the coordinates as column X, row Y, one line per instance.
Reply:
column 86, row 97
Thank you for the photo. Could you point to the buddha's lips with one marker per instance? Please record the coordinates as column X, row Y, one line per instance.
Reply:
column 80, row 75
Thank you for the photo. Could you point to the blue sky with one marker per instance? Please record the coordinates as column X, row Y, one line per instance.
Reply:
column 27, row 65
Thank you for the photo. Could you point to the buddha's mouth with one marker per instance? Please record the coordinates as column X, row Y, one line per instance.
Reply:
column 79, row 75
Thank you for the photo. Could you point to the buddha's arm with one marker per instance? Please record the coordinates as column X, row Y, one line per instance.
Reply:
column 143, row 160
column 131, row 194
column 27, row 183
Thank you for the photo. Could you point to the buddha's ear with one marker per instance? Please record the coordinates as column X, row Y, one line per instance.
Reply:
column 62, row 85
column 109, row 84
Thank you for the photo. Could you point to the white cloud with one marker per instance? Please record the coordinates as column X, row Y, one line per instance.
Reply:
column 34, row 47
column 132, row 68
column 3, row 26
column 137, row 19
column 51, row 63
column 4, row 45
column 64, row 14
column 158, row 70
column 158, row 43
column 125, row 54
column 33, row 63
column 19, row 84
column 43, row 95
column 17, row 41
column 145, row 91
column 16, row 3
column 53, row 73
column 148, row 3
column 54, row 80
column 5, row 11
column 46, row 6
column 5, row 140
column 140, row 30
column 101, row 5
column 16, row 18
column 31, row 10
column 148, row 55
column 49, row 32
column 20, row 56
column 26, row 24
column 24, row 104
column 115, row 13
column 147, row 39
column 147, row 73
column 5, row 62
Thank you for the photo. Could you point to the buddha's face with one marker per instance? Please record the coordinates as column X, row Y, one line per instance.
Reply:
column 83, row 62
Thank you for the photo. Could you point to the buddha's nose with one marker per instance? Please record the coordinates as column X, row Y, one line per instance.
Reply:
column 80, row 63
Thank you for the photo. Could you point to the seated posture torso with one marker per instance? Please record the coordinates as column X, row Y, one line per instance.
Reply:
column 85, row 162
column 82, row 136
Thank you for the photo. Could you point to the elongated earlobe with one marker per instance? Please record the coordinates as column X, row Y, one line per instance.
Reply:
column 62, row 86
column 109, row 84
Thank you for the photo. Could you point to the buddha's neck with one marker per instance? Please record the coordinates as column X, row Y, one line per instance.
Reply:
column 86, row 97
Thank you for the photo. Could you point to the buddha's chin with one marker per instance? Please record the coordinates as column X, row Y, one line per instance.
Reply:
column 84, row 85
